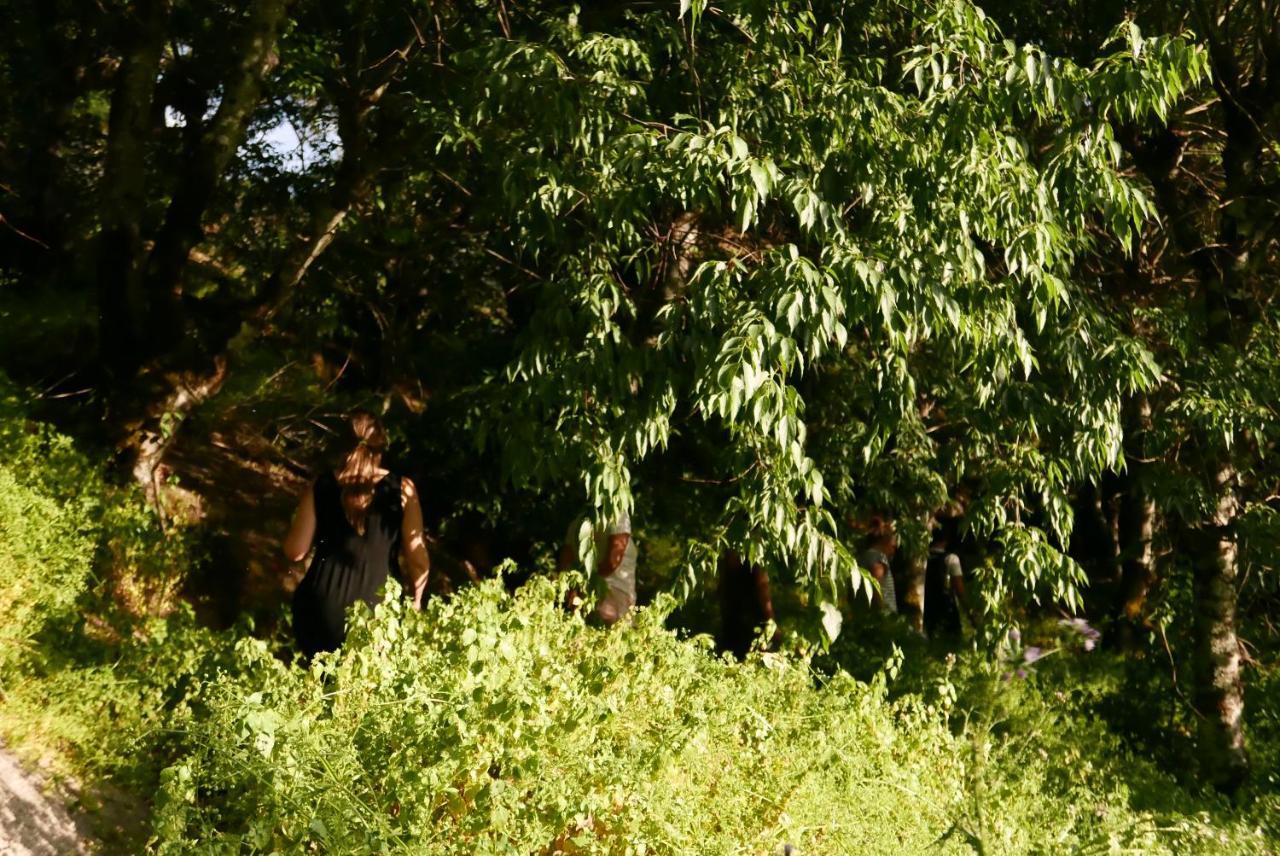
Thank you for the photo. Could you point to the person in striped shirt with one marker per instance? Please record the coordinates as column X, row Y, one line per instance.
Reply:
column 876, row 560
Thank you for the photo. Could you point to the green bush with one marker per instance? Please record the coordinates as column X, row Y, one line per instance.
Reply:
column 67, row 535
column 95, row 653
column 45, row 553
column 497, row 724
column 49, row 511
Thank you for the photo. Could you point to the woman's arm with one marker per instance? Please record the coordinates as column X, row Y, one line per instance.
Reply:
column 413, row 541
column 298, row 542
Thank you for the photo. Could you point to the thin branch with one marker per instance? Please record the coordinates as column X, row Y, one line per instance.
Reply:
column 452, row 181
column 503, row 21
column 422, row 40
column 4, row 221
column 514, row 264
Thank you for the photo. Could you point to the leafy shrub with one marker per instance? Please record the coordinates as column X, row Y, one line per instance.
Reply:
column 109, row 710
column 90, row 678
column 48, row 535
column 497, row 724
column 63, row 528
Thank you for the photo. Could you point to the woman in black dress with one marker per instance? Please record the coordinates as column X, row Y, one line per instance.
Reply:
column 365, row 523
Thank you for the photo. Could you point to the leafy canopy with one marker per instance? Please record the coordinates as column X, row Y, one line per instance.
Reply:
column 837, row 245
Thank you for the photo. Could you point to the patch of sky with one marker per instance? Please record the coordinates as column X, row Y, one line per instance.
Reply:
column 295, row 148
column 284, row 145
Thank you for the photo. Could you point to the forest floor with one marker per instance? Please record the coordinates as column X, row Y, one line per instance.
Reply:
column 34, row 821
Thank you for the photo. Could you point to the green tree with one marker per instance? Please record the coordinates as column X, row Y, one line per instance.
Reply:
column 1199, row 293
column 819, row 259
column 882, row 241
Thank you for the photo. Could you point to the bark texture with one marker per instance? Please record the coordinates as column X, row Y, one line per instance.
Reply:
column 1219, row 695
column 122, row 308
column 911, row 595
column 1137, row 529
column 1218, row 242
column 183, row 223
column 154, row 430
column 178, row 388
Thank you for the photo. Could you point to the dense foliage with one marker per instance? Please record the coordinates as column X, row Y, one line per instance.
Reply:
column 61, row 522
column 754, row 272
column 500, row 723
column 831, row 253
column 494, row 724
column 46, row 552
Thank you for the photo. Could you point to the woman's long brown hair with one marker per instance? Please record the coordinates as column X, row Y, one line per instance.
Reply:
column 359, row 471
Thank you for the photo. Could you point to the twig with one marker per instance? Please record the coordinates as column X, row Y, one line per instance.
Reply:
column 1173, row 673
column 452, row 181
column 712, row 10
column 648, row 123
column 340, row 373
column 502, row 19
column 4, row 221
column 422, row 40
column 71, row 394
column 514, row 264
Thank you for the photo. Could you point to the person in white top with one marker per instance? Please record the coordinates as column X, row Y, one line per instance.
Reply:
column 944, row 594
column 615, row 556
column 878, row 564
column 877, row 560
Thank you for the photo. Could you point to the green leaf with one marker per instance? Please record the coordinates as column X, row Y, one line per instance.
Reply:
column 760, row 178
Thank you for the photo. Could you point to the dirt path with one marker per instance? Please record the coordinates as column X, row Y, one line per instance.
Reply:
column 235, row 483
column 33, row 822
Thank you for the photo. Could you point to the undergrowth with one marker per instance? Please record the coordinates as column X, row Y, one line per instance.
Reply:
column 495, row 722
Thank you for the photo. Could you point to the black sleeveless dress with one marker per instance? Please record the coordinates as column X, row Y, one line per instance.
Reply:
column 347, row 566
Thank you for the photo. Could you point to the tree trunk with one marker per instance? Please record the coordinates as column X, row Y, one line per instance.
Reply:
column 325, row 221
column 1093, row 537
column 1229, row 314
column 182, row 389
column 911, row 594
column 359, row 165
column 152, row 432
column 1227, row 264
column 121, row 304
column 145, row 300
column 911, row 598
column 183, row 223
column 60, row 77
column 1137, row 528
column 1137, row 519
column 1219, row 695
column 179, row 393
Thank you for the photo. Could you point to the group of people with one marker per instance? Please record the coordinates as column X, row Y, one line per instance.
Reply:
column 944, row 595
column 362, row 522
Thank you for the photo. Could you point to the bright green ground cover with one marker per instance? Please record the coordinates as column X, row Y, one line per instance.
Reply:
column 495, row 723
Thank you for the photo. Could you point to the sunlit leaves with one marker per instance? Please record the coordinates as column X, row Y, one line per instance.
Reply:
column 866, row 291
